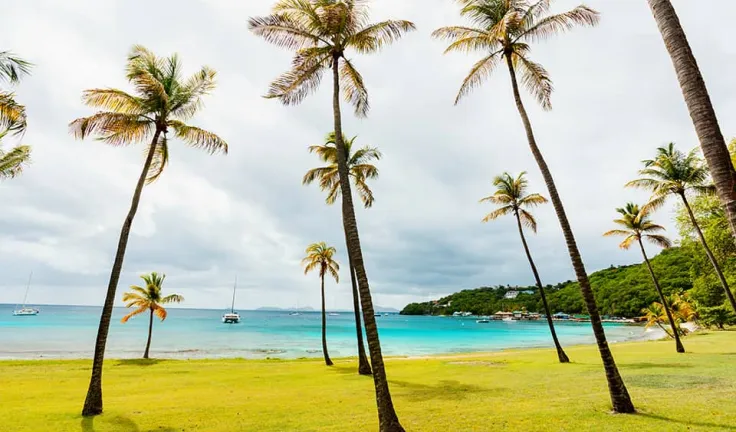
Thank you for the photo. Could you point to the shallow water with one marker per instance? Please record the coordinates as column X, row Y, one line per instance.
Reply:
column 69, row 332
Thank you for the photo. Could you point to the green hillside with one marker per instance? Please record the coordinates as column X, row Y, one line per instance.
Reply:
column 619, row 291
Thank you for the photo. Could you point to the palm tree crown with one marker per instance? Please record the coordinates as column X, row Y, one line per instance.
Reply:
column 320, row 256
column 359, row 168
column 672, row 172
column 637, row 227
column 504, row 28
column 511, row 196
column 149, row 297
column 322, row 31
column 12, row 114
column 163, row 101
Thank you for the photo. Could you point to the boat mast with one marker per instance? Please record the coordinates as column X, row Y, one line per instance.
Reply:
column 28, row 286
column 232, row 306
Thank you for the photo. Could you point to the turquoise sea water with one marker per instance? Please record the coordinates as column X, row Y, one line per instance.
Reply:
column 69, row 332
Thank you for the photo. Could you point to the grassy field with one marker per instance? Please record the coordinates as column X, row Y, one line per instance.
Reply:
column 507, row 391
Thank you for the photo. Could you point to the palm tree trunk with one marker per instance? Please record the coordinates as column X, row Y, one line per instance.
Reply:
column 619, row 394
column 678, row 342
column 364, row 367
column 328, row 362
column 93, row 402
column 560, row 352
column 150, row 332
column 708, row 252
column 388, row 421
column 699, row 105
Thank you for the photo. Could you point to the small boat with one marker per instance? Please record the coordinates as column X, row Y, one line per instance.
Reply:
column 483, row 321
column 333, row 314
column 377, row 315
column 232, row 317
column 294, row 314
column 26, row 311
column 385, row 314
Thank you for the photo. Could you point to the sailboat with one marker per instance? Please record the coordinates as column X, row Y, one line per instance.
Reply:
column 26, row 311
column 295, row 312
column 232, row 317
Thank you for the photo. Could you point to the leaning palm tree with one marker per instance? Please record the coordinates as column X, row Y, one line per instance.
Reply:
column 149, row 299
column 637, row 227
column 502, row 30
column 162, row 103
column 13, row 120
column 673, row 172
column 699, row 105
column 320, row 256
column 321, row 32
column 360, row 170
column 512, row 198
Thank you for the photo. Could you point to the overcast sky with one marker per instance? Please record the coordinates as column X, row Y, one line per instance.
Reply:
column 211, row 217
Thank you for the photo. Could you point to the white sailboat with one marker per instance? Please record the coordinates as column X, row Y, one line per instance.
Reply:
column 26, row 311
column 232, row 317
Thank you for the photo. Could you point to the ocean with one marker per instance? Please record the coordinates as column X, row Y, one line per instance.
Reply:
column 69, row 332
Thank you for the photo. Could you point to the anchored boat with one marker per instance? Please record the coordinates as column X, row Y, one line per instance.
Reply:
column 26, row 311
column 232, row 317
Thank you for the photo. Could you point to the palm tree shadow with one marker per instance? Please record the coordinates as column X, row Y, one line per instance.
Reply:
column 138, row 362
column 118, row 424
column 445, row 389
column 689, row 422
column 648, row 365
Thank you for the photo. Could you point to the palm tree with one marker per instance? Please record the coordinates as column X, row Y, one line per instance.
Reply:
column 163, row 101
column 149, row 299
column 502, row 30
column 699, row 105
column 321, row 31
column 512, row 198
column 360, row 170
column 638, row 227
column 320, row 256
column 13, row 120
column 672, row 172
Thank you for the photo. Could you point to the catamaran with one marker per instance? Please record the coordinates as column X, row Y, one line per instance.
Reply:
column 26, row 311
column 232, row 317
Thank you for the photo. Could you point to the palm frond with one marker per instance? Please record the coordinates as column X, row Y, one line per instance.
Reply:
column 535, row 79
column 188, row 99
column 138, row 311
column 365, row 193
column 351, row 83
column 12, row 115
column 303, row 78
column 556, row 24
column 532, row 200
column 113, row 128
column 659, row 240
column 478, row 74
column 283, row 31
column 617, row 232
column 528, row 220
column 318, row 173
column 160, row 159
column 14, row 161
column 160, row 312
column 114, row 100
column 374, row 37
column 12, row 68
column 503, row 211
column 199, row 138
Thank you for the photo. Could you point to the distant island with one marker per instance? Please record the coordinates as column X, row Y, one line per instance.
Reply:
column 621, row 291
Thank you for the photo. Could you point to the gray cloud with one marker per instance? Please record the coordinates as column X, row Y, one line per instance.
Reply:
column 210, row 218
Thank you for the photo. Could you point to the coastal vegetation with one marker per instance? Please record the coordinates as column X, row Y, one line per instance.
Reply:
column 320, row 257
column 323, row 32
column 149, row 299
column 163, row 101
column 520, row 390
column 13, row 119
column 635, row 225
column 360, row 169
column 512, row 198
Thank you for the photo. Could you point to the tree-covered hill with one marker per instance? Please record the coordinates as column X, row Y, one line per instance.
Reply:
column 619, row 291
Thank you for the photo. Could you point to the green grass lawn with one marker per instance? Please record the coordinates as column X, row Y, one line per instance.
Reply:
column 507, row 391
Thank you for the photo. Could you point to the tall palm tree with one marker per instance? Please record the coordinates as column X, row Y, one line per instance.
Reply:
column 13, row 120
column 320, row 256
column 699, row 105
column 673, row 172
column 163, row 102
column 321, row 32
column 360, row 170
column 149, row 299
column 637, row 227
column 512, row 198
column 503, row 30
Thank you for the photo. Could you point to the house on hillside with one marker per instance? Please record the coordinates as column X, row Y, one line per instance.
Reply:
column 511, row 294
